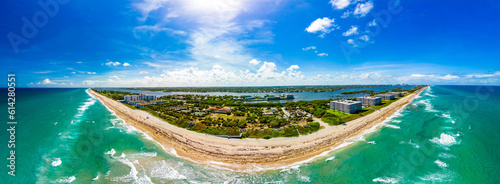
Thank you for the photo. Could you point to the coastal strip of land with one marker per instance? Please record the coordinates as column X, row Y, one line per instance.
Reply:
column 248, row 154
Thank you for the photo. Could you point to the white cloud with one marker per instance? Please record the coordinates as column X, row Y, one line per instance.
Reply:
column 340, row 4
column 115, row 77
column 79, row 62
column 352, row 31
column 293, row 67
column 154, row 29
column 148, row 6
column 73, row 72
column 420, row 75
column 47, row 81
column 346, row 14
column 363, row 8
column 215, row 34
column 322, row 54
column 372, row 23
column 111, row 63
column 324, row 25
column 309, row 48
column 91, row 73
column 351, row 41
column 364, row 38
column 449, row 77
column 254, row 62
column 126, row 64
column 143, row 72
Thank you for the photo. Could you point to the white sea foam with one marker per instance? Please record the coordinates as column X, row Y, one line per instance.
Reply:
column 385, row 180
column 68, row 179
column 56, row 162
column 55, row 123
column 304, row 178
column 149, row 154
column 396, row 121
column 445, row 140
column 162, row 169
column 446, row 155
column 86, row 105
column 132, row 176
column 393, row 126
column 436, row 177
column 330, row 158
column 427, row 104
column 96, row 177
column 441, row 163
column 111, row 152
column 414, row 144
column 371, row 142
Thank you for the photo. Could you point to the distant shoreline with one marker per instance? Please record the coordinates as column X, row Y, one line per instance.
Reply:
column 248, row 154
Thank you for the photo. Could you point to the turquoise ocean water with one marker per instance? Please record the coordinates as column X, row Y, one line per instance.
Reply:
column 449, row 134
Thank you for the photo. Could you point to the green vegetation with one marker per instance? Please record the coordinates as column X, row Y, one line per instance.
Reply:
column 360, row 91
column 262, row 89
column 115, row 95
column 221, row 115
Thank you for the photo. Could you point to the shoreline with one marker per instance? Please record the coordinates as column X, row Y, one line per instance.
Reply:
column 250, row 154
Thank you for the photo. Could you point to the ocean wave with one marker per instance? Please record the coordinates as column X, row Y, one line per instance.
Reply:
column 441, row 163
column 445, row 140
column 86, row 105
column 56, row 162
column 330, row 158
column 68, row 179
column 385, row 180
column 427, row 104
column 371, row 142
column 446, row 155
column 396, row 121
column 111, row 152
column 96, row 177
column 437, row 177
column 415, row 145
column 162, row 169
column 393, row 126
column 304, row 178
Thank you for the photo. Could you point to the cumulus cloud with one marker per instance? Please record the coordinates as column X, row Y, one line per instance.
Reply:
column 363, row 8
column 293, row 67
column 309, row 48
column 126, row 64
column 324, row 25
column 352, row 31
column 351, row 41
column 346, row 14
column 254, row 62
column 322, row 54
column 364, row 38
column 111, row 63
column 449, row 77
column 340, row 4
column 47, row 81
column 372, row 23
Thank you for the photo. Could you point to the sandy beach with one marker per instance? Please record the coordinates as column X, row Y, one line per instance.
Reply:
column 248, row 154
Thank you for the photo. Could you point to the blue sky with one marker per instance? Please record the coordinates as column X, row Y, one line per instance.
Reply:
column 249, row 43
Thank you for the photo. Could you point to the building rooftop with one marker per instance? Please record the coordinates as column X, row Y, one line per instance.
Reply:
column 346, row 101
column 373, row 97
